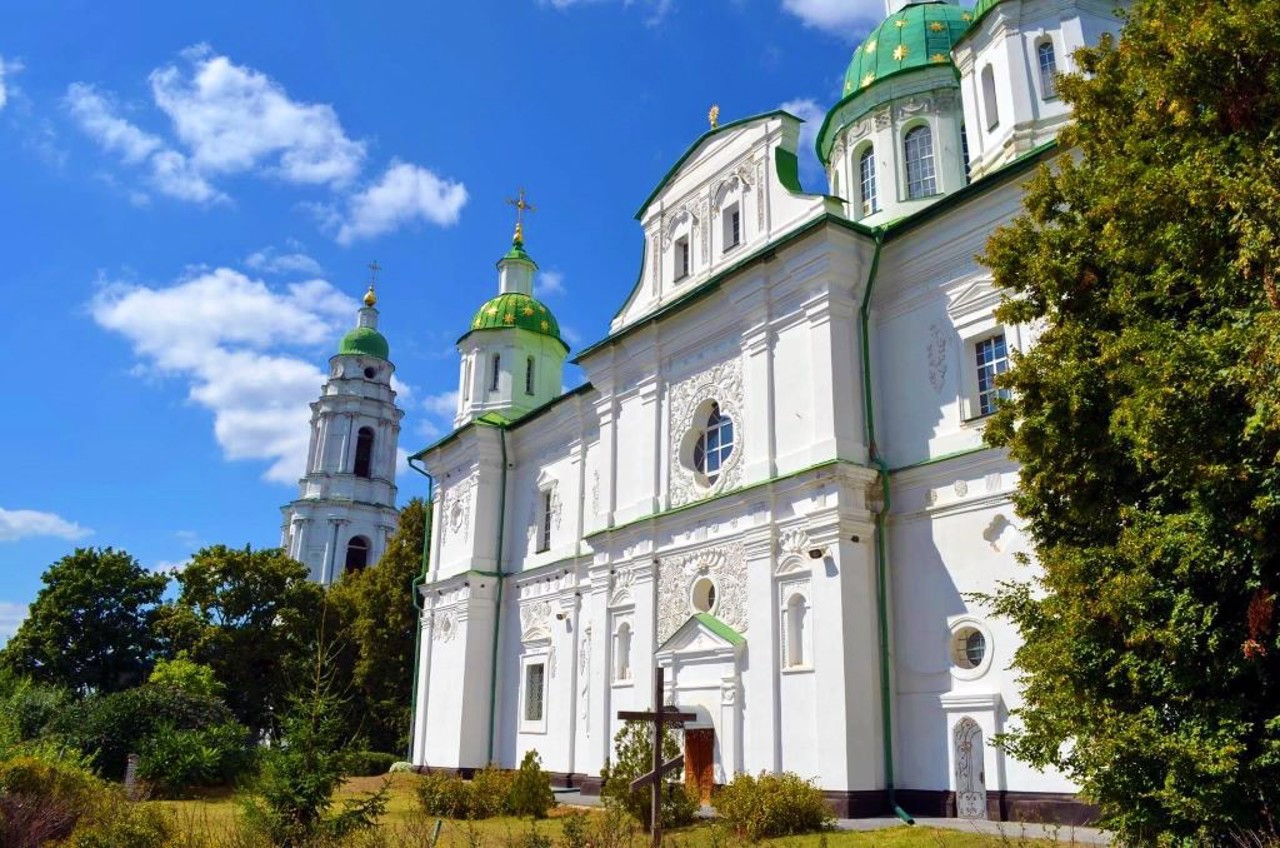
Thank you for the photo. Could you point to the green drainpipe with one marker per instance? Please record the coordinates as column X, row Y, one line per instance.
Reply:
column 882, row 599
column 497, row 607
column 415, row 585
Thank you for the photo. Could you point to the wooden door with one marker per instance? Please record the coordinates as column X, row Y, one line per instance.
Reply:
column 699, row 762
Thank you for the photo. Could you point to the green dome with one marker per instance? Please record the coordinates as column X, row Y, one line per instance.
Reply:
column 915, row 37
column 514, row 309
column 366, row 341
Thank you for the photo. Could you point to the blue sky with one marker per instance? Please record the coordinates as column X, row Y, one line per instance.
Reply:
column 189, row 195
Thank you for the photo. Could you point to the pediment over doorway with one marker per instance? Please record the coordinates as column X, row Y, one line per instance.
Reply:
column 702, row 633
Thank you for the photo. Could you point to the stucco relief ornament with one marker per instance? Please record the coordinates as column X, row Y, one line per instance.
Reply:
column 760, row 193
column 533, row 620
column 620, row 586
column 444, row 625
column 595, row 491
column 705, row 230
column 793, row 542
column 687, row 401
column 457, row 507
column 883, row 117
column 726, row 565
column 937, row 357
column 961, row 488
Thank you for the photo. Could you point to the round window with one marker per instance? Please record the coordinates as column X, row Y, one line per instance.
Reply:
column 968, row 648
column 704, row 595
column 370, row 373
column 714, row 444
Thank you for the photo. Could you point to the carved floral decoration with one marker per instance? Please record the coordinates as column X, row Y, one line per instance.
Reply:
column 721, row 383
column 726, row 565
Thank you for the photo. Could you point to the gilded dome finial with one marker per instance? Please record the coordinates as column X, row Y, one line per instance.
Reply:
column 713, row 116
column 370, row 297
column 521, row 206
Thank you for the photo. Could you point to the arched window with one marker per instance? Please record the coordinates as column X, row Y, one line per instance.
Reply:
column 1048, row 69
column 364, row 452
column 867, row 180
column 964, row 151
column 466, row 379
column 622, row 652
column 357, row 554
column 528, row 375
column 918, row 146
column 797, row 615
column 989, row 97
column 714, row 445
column 497, row 372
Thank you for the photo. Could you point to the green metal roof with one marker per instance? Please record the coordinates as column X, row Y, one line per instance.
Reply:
column 719, row 628
column 514, row 309
column 919, row 36
column 366, row 341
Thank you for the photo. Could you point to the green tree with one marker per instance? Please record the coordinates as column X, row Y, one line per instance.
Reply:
column 1147, row 423
column 89, row 628
column 251, row 616
column 181, row 673
column 379, row 621
column 633, row 757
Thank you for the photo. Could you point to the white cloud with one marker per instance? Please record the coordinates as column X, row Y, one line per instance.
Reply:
column 171, row 172
column 656, row 10
column 11, row 617
column 18, row 524
column 235, row 119
column 403, row 194
column 843, row 17
column 571, row 335
column 548, row 283
column 269, row 260
column 170, row 566
column 6, row 69
column 229, row 337
column 812, row 114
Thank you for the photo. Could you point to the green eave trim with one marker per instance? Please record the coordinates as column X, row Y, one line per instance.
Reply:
column 497, row 419
column 706, row 135
column 719, row 628
column 821, row 144
column 764, row 253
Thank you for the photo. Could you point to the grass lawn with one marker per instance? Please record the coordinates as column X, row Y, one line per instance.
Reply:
column 216, row 815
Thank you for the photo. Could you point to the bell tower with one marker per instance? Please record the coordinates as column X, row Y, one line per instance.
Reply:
column 346, row 506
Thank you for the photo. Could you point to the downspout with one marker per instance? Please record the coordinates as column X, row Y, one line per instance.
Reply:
column 415, row 587
column 882, row 600
column 497, row 607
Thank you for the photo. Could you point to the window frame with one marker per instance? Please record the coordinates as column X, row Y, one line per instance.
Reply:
column 366, row 440
column 990, row 98
column 545, row 499
column 731, row 226
column 495, row 368
column 620, row 621
column 1048, row 83
column 527, row 662
column 795, row 584
column 979, row 367
column 930, row 180
column 682, row 258
column 956, row 625
column 721, row 451
column 529, row 376
column 365, row 544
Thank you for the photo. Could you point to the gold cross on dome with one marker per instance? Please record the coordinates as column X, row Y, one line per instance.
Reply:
column 374, row 268
column 522, row 205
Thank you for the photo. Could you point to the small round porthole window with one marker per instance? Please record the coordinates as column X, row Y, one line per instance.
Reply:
column 968, row 648
column 704, row 594
column 370, row 373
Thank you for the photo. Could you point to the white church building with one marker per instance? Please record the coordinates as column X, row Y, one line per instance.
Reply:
column 773, row 483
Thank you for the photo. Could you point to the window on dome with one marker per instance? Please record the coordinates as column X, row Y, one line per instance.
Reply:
column 364, row 453
column 528, row 375
column 682, row 258
column 918, row 146
column 714, row 445
column 497, row 372
column 867, row 181
column 1048, row 70
column 357, row 554
column 732, row 227
column 466, row 379
column 989, row 97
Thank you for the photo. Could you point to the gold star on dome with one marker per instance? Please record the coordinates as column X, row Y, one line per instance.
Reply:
column 508, row 318
column 900, row 52
column 528, row 310
column 541, row 308
column 938, row 57
column 492, row 310
column 545, row 326
column 937, row 26
column 871, row 46
column 900, row 23
column 475, row 323
column 848, row 87
column 868, row 79
column 966, row 16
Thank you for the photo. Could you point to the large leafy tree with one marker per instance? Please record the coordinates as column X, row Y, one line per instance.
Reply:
column 379, row 622
column 1147, row 422
column 254, row 618
column 89, row 628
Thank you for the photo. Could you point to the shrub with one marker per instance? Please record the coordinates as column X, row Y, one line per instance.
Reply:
column 531, row 793
column 42, row 800
column 118, row 822
column 176, row 760
column 367, row 763
column 110, row 727
column 27, row 708
column 632, row 757
column 772, row 805
column 444, row 795
column 491, row 789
